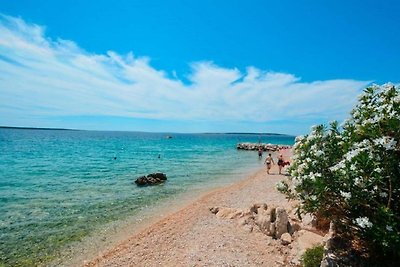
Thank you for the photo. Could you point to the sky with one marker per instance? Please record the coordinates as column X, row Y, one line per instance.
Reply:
column 192, row 66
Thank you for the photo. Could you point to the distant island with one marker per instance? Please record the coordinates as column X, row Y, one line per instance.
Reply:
column 36, row 128
column 66, row 129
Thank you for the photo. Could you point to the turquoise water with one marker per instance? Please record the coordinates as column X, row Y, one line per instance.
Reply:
column 56, row 186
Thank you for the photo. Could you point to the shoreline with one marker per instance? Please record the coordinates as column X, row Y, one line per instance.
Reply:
column 112, row 234
column 175, row 233
column 77, row 191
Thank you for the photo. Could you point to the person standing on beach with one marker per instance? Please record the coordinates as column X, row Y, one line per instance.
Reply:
column 281, row 163
column 268, row 161
column 260, row 151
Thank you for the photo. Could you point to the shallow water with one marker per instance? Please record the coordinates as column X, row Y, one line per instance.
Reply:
column 57, row 187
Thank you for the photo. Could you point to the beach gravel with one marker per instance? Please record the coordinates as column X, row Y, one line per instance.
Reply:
column 198, row 236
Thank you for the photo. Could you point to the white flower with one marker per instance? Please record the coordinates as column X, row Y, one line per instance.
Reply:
column 363, row 222
column 281, row 185
column 351, row 154
column 338, row 166
column 389, row 228
column 296, row 181
column 391, row 144
column 358, row 180
column 346, row 195
column 346, row 121
column 314, row 147
column 386, row 87
column 311, row 137
column 319, row 153
column 387, row 142
column 301, row 167
column 383, row 194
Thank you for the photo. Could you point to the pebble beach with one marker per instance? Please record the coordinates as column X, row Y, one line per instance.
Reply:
column 194, row 236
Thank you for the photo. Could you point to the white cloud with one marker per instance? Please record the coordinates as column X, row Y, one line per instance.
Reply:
column 40, row 77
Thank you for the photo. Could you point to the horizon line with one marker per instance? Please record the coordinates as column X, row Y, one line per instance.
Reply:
column 69, row 129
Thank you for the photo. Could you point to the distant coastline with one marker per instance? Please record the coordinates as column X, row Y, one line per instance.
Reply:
column 37, row 128
column 66, row 129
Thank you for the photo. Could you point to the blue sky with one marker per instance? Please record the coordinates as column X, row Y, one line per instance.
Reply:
column 192, row 66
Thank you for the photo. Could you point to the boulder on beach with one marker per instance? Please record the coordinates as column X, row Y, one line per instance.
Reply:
column 269, row 220
column 281, row 223
column 286, row 239
column 151, row 179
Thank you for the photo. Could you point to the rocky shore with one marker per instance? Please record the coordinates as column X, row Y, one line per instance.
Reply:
column 264, row 147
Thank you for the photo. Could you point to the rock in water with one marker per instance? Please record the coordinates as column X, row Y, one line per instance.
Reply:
column 158, row 175
column 142, row 180
column 151, row 179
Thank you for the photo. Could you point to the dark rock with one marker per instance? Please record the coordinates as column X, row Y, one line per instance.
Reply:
column 214, row 210
column 151, row 179
column 159, row 175
column 142, row 180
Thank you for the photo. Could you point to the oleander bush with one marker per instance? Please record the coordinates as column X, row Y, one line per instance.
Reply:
column 351, row 174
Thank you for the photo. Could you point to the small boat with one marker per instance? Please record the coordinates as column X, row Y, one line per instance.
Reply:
column 168, row 136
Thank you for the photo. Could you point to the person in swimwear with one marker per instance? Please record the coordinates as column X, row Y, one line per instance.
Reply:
column 260, row 152
column 268, row 161
column 281, row 163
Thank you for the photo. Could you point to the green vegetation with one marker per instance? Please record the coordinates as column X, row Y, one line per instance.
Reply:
column 312, row 257
column 350, row 175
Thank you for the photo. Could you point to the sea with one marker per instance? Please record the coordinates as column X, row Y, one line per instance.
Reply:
column 60, row 187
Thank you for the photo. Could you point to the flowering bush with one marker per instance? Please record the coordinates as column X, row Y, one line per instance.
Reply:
column 351, row 175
